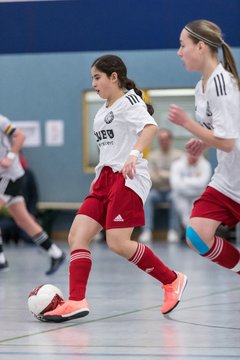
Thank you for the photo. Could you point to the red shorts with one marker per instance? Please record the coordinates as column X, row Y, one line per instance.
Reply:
column 214, row 205
column 112, row 204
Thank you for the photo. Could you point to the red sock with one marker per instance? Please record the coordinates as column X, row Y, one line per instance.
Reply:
column 147, row 261
column 224, row 254
column 79, row 269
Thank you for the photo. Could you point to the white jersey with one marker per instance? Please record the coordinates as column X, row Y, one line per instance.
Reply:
column 219, row 109
column 15, row 171
column 116, row 129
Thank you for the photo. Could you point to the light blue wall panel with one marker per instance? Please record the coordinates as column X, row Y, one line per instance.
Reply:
column 49, row 86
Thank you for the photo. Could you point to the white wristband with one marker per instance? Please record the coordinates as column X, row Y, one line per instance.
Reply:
column 135, row 152
column 11, row 155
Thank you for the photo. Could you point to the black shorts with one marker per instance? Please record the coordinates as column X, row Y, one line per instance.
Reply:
column 11, row 188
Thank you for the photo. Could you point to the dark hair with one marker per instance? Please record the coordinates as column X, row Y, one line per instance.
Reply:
column 211, row 34
column 112, row 63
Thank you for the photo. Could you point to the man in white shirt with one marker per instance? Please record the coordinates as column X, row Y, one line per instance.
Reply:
column 159, row 163
column 189, row 176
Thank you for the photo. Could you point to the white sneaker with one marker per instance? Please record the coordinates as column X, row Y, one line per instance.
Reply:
column 145, row 236
column 172, row 236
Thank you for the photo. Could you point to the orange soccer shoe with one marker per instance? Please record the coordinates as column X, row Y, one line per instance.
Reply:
column 67, row 310
column 173, row 293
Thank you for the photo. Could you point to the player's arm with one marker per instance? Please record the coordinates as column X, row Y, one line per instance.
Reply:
column 178, row 116
column 17, row 138
column 144, row 140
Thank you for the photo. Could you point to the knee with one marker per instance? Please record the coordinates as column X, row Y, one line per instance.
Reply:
column 71, row 239
column 195, row 242
column 113, row 244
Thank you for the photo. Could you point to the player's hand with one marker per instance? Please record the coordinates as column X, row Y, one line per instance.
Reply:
column 6, row 162
column 177, row 115
column 195, row 147
column 129, row 168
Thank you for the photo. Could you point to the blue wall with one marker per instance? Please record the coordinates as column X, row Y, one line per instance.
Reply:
column 49, row 86
column 46, row 52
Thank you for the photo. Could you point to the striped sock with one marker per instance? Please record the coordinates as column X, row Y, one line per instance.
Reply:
column 42, row 240
column 79, row 270
column 147, row 261
column 224, row 254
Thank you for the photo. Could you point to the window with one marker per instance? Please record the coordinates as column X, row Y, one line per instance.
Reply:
column 91, row 103
column 161, row 100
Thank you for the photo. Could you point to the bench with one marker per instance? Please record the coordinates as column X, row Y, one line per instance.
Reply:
column 58, row 205
column 49, row 212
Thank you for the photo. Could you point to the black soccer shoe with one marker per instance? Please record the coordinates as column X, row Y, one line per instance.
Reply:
column 55, row 263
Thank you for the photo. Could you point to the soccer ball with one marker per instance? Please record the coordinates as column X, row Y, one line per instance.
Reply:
column 44, row 298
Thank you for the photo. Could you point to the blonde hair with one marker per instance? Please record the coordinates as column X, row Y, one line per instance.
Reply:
column 211, row 34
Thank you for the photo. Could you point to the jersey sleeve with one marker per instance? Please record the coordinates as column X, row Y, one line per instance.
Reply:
column 224, row 101
column 137, row 114
column 6, row 126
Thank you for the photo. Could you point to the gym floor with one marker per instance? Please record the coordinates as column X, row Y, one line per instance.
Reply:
column 125, row 321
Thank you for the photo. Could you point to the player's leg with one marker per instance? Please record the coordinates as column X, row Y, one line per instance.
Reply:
column 3, row 261
column 212, row 209
column 144, row 258
column 17, row 209
column 81, row 233
column 201, row 237
column 87, row 223
column 125, row 211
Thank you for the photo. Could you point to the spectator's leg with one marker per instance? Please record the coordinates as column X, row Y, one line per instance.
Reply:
column 173, row 220
column 149, row 207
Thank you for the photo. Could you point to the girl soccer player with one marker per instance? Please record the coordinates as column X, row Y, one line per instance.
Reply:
column 11, row 195
column 123, row 127
column 217, row 103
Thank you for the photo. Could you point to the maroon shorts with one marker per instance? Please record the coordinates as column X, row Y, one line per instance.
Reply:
column 112, row 204
column 216, row 206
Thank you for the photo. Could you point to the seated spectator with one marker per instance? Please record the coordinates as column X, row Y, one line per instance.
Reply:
column 189, row 176
column 159, row 162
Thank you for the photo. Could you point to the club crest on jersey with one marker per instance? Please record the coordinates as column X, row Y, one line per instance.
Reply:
column 109, row 117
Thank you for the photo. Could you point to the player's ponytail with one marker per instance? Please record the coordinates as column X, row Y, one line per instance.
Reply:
column 229, row 62
column 130, row 84
column 112, row 63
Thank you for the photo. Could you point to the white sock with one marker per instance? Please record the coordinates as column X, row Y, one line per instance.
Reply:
column 54, row 251
column 2, row 258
